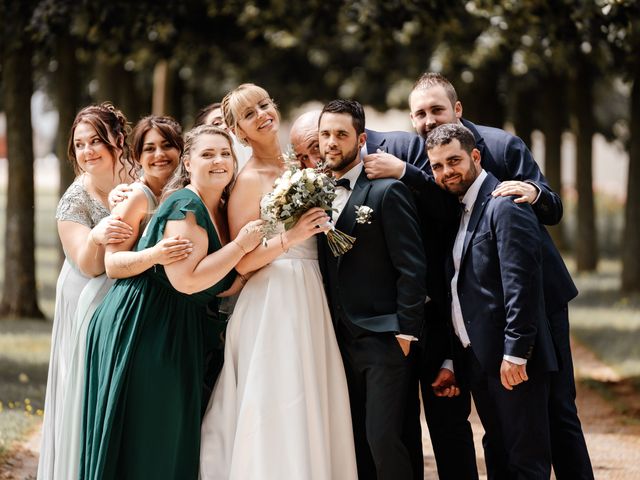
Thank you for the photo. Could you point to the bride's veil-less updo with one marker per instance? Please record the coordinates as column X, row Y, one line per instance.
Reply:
column 181, row 177
column 112, row 128
column 238, row 99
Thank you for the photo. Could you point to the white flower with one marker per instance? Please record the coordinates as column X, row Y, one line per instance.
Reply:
column 363, row 214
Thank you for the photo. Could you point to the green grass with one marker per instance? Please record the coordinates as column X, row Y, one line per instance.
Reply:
column 25, row 344
column 606, row 321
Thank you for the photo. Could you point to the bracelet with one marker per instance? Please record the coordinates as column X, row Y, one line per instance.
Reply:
column 244, row 252
column 285, row 250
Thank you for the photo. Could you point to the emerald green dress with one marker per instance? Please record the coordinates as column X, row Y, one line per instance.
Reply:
column 145, row 367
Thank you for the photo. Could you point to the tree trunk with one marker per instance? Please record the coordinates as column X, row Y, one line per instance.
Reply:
column 523, row 119
column 552, row 102
column 631, row 239
column 163, row 89
column 67, row 102
column 586, row 249
column 67, row 98
column 19, row 298
column 481, row 99
column 108, row 85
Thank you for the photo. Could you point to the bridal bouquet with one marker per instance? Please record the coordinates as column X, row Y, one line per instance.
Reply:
column 297, row 191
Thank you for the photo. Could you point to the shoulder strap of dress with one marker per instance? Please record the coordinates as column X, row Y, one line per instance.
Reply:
column 151, row 198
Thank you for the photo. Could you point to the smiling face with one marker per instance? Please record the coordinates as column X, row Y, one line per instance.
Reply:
column 431, row 107
column 340, row 145
column 210, row 162
column 158, row 158
column 257, row 120
column 92, row 154
column 454, row 169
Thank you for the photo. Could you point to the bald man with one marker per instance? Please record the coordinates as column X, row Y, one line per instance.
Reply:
column 304, row 138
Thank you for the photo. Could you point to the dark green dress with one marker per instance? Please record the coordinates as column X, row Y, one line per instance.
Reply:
column 145, row 349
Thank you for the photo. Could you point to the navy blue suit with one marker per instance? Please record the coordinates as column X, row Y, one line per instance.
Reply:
column 501, row 297
column 507, row 158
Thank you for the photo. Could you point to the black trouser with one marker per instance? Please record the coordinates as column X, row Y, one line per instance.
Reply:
column 377, row 375
column 447, row 418
column 568, row 448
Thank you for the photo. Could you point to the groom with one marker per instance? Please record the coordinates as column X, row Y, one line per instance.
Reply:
column 376, row 292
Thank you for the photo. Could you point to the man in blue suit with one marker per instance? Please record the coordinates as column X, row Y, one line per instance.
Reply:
column 434, row 102
column 503, row 344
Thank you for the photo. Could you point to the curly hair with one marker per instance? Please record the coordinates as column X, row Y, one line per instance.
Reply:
column 113, row 130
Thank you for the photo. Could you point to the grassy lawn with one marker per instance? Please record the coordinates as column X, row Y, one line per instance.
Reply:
column 25, row 344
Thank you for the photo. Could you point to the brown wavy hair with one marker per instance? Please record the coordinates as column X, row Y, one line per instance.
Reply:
column 113, row 130
column 181, row 177
column 168, row 127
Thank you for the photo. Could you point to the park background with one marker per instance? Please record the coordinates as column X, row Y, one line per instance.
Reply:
column 564, row 75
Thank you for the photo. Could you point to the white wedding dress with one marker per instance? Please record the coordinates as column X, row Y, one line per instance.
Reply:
column 280, row 407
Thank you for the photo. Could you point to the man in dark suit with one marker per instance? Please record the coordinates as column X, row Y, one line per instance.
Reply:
column 451, row 435
column 504, row 350
column 434, row 102
column 376, row 292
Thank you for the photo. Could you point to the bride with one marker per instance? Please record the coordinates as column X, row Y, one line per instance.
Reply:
column 280, row 407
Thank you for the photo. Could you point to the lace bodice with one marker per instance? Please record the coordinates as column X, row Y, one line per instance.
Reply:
column 76, row 205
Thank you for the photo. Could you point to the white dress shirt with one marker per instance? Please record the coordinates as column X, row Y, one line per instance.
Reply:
column 342, row 194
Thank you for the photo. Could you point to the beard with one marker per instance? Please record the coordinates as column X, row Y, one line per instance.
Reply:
column 463, row 185
column 338, row 164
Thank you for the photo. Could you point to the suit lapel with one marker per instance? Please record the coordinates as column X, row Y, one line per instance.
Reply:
column 484, row 195
column 347, row 220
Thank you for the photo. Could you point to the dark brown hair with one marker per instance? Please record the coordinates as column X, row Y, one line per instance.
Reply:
column 112, row 128
column 169, row 128
column 202, row 115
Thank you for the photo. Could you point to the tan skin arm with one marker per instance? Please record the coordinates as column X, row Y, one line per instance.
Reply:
column 121, row 262
column 200, row 271
column 244, row 206
column 86, row 247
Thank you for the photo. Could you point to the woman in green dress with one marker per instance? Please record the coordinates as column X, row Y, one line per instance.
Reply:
column 145, row 341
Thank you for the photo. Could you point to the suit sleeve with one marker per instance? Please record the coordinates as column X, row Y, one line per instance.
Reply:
column 520, row 165
column 404, row 243
column 518, row 243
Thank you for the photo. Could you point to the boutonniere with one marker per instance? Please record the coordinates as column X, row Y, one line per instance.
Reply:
column 363, row 214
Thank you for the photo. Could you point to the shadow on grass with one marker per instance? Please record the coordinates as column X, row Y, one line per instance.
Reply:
column 617, row 347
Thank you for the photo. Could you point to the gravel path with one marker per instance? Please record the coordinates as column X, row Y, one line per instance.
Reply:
column 613, row 439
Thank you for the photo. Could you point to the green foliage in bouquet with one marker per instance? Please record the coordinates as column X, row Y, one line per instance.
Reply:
column 297, row 191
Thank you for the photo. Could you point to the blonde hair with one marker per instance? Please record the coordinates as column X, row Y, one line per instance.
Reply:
column 238, row 99
column 181, row 176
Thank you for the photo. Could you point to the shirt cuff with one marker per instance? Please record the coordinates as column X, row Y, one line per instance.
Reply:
column 516, row 360
column 404, row 171
column 411, row 338
column 448, row 364
column 537, row 188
